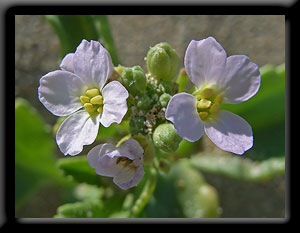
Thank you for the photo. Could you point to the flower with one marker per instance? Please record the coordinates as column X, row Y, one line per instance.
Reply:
column 123, row 163
column 80, row 88
column 218, row 80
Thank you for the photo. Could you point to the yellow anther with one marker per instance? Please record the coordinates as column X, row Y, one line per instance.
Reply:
column 203, row 115
column 207, row 92
column 100, row 109
column 89, row 107
column 92, row 92
column 219, row 99
column 98, row 99
column 214, row 108
column 203, row 103
column 84, row 99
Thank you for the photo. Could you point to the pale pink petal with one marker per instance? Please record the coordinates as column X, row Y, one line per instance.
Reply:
column 205, row 61
column 241, row 79
column 67, row 63
column 92, row 63
column 77, row 130
column 59, row 92
column 230, row 132
column 182, row 112
column 114, row 103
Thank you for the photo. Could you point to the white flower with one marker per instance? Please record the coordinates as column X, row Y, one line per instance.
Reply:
column 124, row 163
column 218, row 80
column 80, row 89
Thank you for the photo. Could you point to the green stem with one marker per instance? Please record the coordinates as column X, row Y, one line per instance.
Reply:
column 145, row 195
column 102, row 25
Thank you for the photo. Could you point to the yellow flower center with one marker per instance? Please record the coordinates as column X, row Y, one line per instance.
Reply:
column 208, row 102
column 125, row 162
column 92, row 101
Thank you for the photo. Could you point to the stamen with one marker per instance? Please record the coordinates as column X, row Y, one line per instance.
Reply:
column 100, row 109
column 98, row 99
column 84, row 99
column 219, row 99
column 203, row 115
column 214, row 108
column 89, row 107
column 204, row 103
column 207, row 92
column 92, row 92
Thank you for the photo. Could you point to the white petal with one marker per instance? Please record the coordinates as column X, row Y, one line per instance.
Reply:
column 182, row 111
column 92, row 63
column 77, row 130
column 59, row 92
column 205, row 61
column 241, row 79
column 129, row 177
column 132, row 150
column 103, row 158
column 67, row 63
column 114, row 103
column 230, row 132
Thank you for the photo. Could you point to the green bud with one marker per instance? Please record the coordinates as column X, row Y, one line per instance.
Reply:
column 137, row 126
column 134, row 79
column 149, row 150
column 164, row 99
column 163, row 62
column 166, row 138
column 144, row 102
column 164, row 87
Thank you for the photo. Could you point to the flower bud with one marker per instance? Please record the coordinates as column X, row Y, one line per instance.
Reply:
column 164, row 99
column 134, row 79
column 163, row 62
column 166, row 138
column 137, row 126
column 144, row 102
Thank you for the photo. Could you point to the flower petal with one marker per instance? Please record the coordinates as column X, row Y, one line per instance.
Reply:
column 205, row 61
column 230, row 132
column 77, row 130
column 182, row 112
column 103, row 158
column 92, row 63
column 129, row 177
column 67, row 63
column 241, row 79
column 114, row 103
column 59, row 92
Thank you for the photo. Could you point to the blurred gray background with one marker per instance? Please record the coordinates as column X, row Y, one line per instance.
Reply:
column 262, row 38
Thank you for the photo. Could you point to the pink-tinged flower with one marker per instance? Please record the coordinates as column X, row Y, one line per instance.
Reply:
column 123, row 163
column 80, row 89
column 219, row 79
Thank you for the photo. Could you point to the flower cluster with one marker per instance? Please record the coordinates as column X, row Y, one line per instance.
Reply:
column 88, row 90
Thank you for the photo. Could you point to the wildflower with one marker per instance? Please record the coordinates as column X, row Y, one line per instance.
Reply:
column 218, row 80
column 80, row 88
column 123, row 163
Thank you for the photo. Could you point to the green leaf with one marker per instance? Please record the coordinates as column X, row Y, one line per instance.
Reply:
column 84, row 209
column 71, row 29
column 34, row 160
column 79, row 169
column 183, row 193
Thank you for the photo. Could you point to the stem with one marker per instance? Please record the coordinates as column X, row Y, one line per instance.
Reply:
column 105, row 32
column 145, row 195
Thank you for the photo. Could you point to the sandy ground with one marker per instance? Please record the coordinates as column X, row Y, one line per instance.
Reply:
column 262, row 38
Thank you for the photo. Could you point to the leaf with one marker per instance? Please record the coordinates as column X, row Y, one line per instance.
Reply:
column 84, row 209
column 79, row 169
column 183, row 193
column 34, row 160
